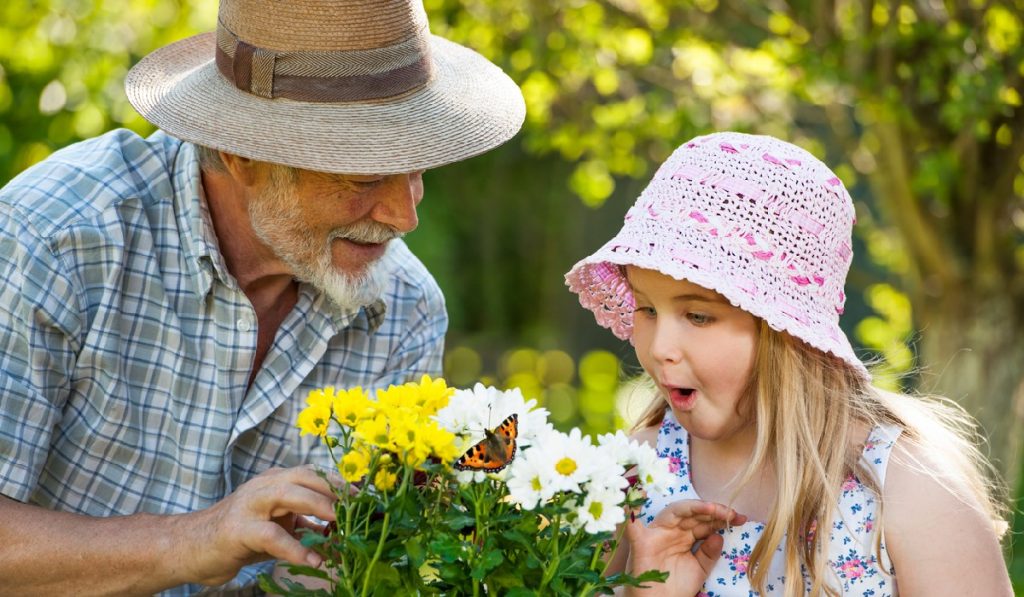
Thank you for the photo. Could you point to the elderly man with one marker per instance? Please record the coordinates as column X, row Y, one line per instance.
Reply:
column 169, row 301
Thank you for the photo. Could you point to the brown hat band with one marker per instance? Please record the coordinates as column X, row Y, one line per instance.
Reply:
column 340, row 76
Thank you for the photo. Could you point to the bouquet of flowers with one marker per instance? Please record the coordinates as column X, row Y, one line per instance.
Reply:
column 465, row 492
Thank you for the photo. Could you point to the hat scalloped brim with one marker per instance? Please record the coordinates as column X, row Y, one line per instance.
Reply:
column 467, row 108
column 601, row 293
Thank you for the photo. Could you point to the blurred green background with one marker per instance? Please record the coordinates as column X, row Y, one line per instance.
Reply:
column 916, row 105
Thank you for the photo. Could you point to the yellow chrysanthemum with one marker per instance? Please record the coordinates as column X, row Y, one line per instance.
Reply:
column 354, row 465
column 375, row 431
column 406, row 438
column 385, row 479
column 352, row 406
column 440, row 442
column 316, row 417
column 396, row 397
column 433, row 393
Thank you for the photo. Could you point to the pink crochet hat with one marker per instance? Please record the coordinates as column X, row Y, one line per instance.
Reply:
column 758, row 220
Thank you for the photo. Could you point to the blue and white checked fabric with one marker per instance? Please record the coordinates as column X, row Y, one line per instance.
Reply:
column 126, row 345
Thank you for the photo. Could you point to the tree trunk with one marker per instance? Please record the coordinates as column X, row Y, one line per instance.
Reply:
column 971, row 343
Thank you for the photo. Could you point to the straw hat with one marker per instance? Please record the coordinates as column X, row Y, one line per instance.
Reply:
column 345, row 86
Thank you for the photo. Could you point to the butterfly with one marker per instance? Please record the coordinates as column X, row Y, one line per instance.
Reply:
column 495, row 451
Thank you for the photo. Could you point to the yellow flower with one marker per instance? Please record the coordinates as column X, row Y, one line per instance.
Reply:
column 385, row 479
column 403, row 433
column 354, row 465
column 315, row 418
column 433, row 393
column 375, row 431
column 439, row 441
column 352, row 406
column 395, row 397
column 425, row 397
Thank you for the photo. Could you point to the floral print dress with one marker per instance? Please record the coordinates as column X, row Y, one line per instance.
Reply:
column 852, row 554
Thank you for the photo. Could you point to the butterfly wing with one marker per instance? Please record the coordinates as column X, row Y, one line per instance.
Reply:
column 507, row 432
column 495, row 451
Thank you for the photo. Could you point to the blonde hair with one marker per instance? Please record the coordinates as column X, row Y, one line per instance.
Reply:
column 812, row 412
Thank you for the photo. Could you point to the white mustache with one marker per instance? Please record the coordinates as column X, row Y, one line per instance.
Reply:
column 367, row 232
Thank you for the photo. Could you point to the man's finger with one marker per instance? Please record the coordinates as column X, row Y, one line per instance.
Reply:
column 316, row 478
column 295, row 499
column 269, row 538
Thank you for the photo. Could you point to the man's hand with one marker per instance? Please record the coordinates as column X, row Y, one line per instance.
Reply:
column 667, row 544
column 256, row 522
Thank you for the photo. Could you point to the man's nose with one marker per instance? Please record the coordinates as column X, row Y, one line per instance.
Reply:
column 396, row 206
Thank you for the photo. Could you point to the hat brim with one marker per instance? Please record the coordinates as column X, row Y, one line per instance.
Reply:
column 467, row 108
column 603, row 290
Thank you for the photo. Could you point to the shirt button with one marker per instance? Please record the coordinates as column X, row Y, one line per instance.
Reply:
column 243, row 324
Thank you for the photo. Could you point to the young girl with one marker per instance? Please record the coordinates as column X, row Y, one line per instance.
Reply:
column 727, row 277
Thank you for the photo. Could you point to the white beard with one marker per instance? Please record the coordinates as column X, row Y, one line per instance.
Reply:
column 350, row 292
column 275, row 218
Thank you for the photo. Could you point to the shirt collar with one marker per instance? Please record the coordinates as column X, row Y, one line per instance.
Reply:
column 342, row 318
column 198, row 240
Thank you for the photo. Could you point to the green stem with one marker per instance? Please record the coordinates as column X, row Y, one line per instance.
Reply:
column 593, row 563
column 376, row 554
column 552, row 567
column 346, row 505
column 479, row 534
column 384, row 529
column 618, row 541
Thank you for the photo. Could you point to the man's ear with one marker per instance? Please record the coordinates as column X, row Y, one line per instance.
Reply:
column 244, row 170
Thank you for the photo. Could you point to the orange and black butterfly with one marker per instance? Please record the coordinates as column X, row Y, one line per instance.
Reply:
column 495, row 451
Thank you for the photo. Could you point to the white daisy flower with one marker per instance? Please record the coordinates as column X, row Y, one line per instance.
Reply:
column 469, row 412
column 619, row 448
column 529, row 479
column 607, row 477
column 571, row 457
column 653, row 471
column 601, row 511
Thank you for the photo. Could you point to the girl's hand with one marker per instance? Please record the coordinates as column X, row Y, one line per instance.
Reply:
column 667, row 544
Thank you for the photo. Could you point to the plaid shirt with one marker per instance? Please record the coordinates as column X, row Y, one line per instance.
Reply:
column 126, row 345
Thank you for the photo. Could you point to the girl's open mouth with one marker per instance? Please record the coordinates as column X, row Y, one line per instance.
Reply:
column 682, row 398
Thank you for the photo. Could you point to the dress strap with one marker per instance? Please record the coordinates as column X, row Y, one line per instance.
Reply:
column 878, row 448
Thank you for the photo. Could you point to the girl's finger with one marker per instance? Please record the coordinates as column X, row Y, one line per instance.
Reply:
column 709, row 552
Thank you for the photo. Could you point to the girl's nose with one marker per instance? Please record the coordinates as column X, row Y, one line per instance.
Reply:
column 666, row 343
column 397, row 204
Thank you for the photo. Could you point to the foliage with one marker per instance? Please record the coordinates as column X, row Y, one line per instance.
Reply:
column 407, row 522
column 62, row 64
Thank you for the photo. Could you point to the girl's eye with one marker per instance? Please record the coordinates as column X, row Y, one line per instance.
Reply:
column 645, row 311
column 699, row 318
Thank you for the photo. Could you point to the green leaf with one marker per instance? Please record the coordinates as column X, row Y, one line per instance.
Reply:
column 458, row 520
column 270, row 586
column 310, row 538
column 417, row 554
column 638, row 580
column 384, row 576
column 307, row 571
column 491, row 559
column 295, row 589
